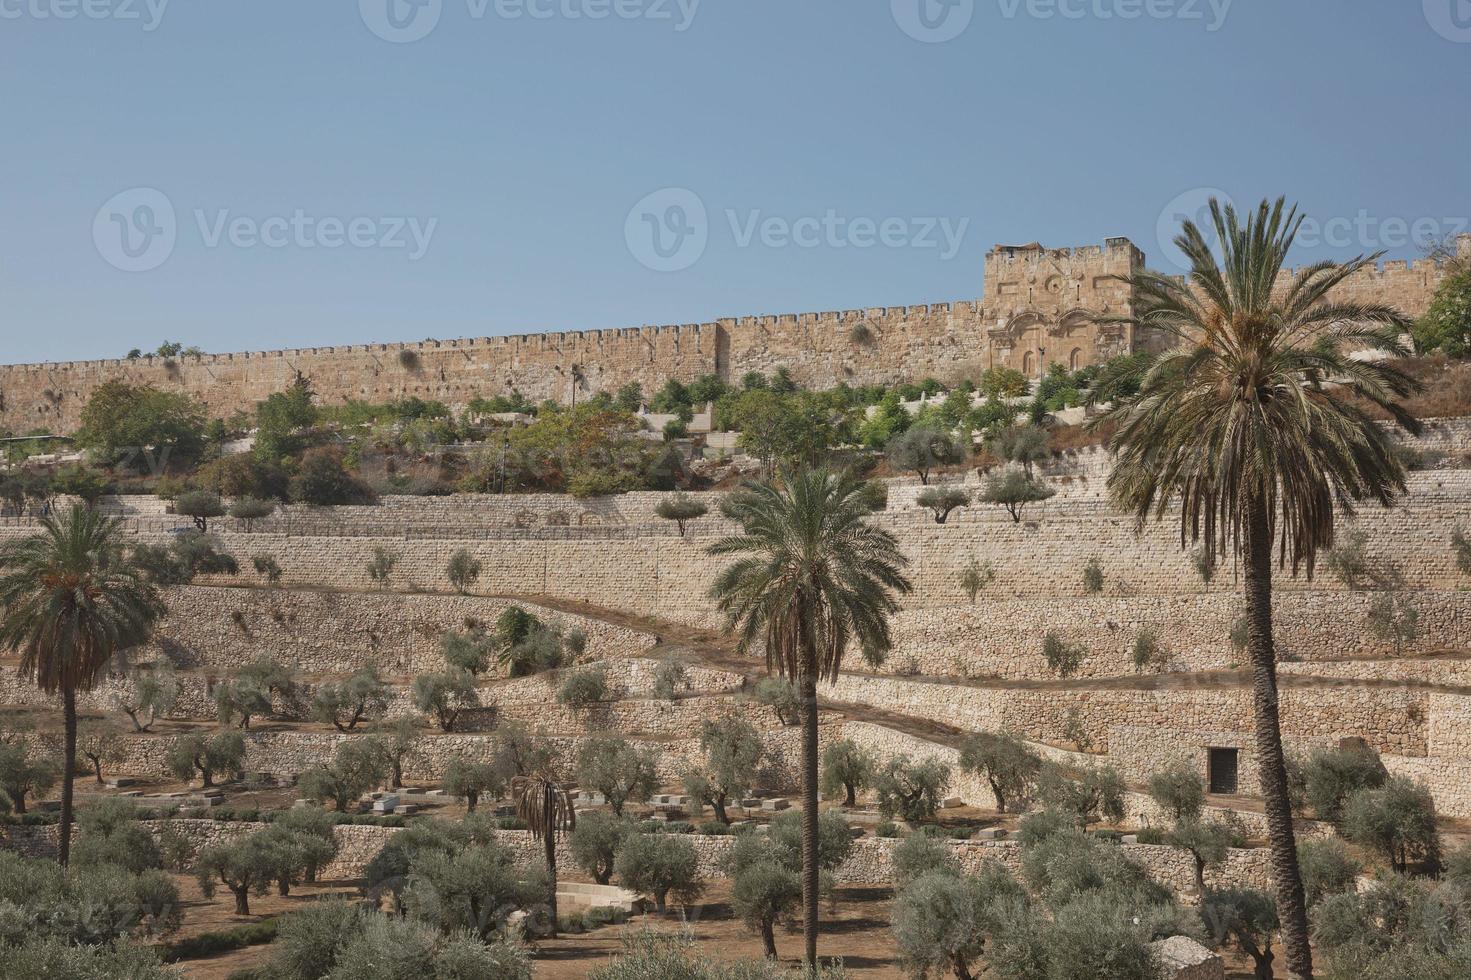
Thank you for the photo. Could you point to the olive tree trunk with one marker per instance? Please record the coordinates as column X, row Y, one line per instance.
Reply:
column 1271, row 762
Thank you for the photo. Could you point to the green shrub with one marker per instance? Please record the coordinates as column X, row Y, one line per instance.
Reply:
column 1093, row 577
column 222, row 941
column 1063, row 658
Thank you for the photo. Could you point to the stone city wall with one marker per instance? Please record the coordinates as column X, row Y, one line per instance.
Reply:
column 1037, row 302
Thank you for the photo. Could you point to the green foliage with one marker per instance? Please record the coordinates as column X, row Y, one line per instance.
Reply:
column 670, row 677
column 922, row 449
column 1446, row 326
column 199, row 505
column 526, row 645
column 1004, row 761
column 357, row 766
column 1461, row 549
column 245, row 866
column 84, row 482
column 783, row 842
column 1021, row 445
column 250, row 509
column 1093, row 577
column 1096, row 794
column 1013, row 489
column 221, row 754
column 322, row 480
column 911, row 790
column 112, row 835
column 154, row 689
column 681, row 509
column 281, row 420
column 463, row 570
column 732, row 750
column 474, row 889
column 239, row 700
column 622, row 772
column 1331, row 776
column 1351, row 562
column 1063, row 658
column 1148, row 651
column 942, row 500
column 1003, row 382
column 650, row 955
column 380, row 568
column 780, row 695
column 1395, row 929
column 1394, row 619
column 658, row 865
column 445, row 695
column 943, row 920
column 472, row 780
column 222, row 941
column 596, row 841
column 470, row 650
column 584, row 688
column 764, row 893
column 1396, row 822
column 184, row 558
column 1246, row 916
column 919, row 855
column 976, row 576
column 24, row 773
column 847, row 769
column 344, row 704
column 1327, row 868
column 138, row 426
column 1179, row 791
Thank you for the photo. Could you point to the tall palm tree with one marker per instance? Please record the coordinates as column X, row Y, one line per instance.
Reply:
column 1255, row 424
column 69, row 602
column 545, row 806
column 812, row 578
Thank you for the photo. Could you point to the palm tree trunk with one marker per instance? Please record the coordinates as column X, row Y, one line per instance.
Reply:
column 551, row 852
column 809, row 814
column 1271, row 762
column 68, row 772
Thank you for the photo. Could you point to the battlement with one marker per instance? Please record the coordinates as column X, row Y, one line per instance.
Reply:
column 1032, row 311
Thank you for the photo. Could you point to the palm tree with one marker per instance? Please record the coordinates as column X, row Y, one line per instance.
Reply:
column 545, row 806
column 813, row 578
column 1254, row 422
column 69, row 601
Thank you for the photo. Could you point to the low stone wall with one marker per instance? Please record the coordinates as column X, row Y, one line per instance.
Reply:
column 1390, row 719
column 870, row 864
column 1002, row 637
column 341, row 632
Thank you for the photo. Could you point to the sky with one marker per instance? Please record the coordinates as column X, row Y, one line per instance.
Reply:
column 256, row 174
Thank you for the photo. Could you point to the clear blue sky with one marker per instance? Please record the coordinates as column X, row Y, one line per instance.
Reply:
column 528, row 140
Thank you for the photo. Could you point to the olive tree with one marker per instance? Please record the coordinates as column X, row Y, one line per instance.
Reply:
column 911, row 790
column 445, row 695
column 1014, row 490
column 152, row 692
column 943, row 920
column 356, row 767
column 780, row 695
column 596, row 840
column 681, row 509
column 463, row 569
column 942, row 500
column 732, row 750
column 1395, row 821
column 472, row 780
column 245, row 866
column 623, row 773
column 24, row 772
column 1004, row 761
column 922, row 448
column 847, row 768
column 658, row 865
column 345, row 704
column 222, row 754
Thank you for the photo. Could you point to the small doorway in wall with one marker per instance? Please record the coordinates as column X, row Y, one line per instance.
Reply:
column 1223, row 766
